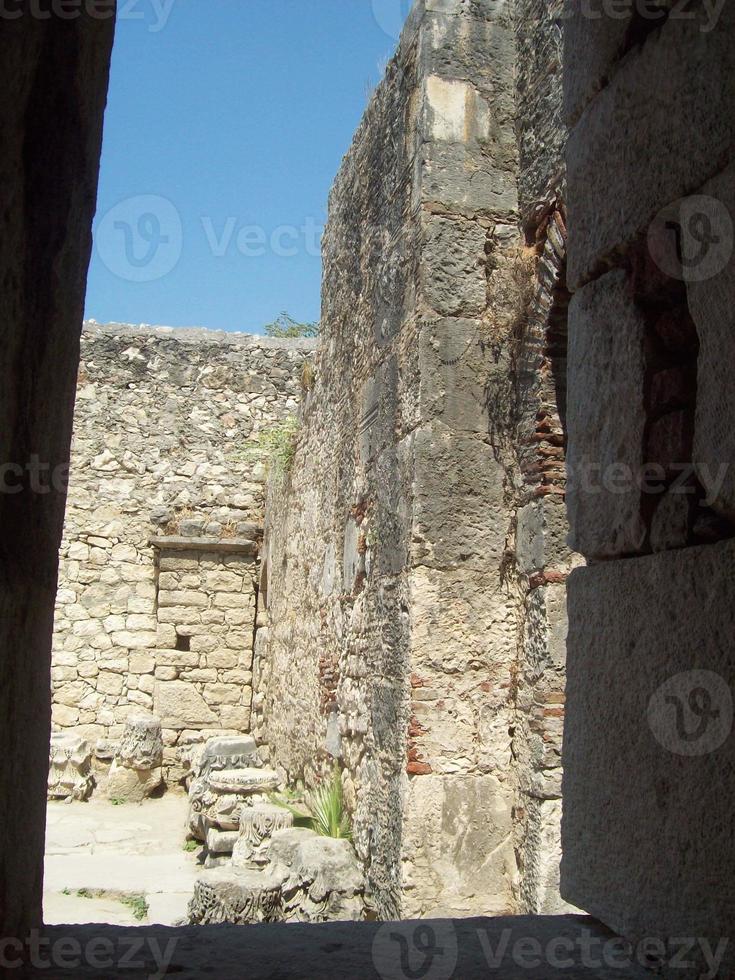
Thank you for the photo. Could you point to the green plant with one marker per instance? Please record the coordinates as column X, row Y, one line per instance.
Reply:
column 279, row 444
column 117, row 801
column 66, row 891
column 191, row 845
column 330, row 819
column 84, row 893
column 327, row 815
column 137, row 904
column 286, row 326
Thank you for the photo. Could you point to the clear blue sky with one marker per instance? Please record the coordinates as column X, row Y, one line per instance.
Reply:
column 226, row 123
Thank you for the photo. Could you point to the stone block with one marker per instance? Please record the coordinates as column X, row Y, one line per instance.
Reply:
column 649, row 749
column 440, row 879
column 132, row 785
column 541, row 540
column 187, row 597
column 141, row 663
column 135, row 641
column 109, row 683
column 454, row 281
column 179, row 705
column 454, row 362
column 621, row 176
column 712, row 308
column 593, row 42
column 605, row 419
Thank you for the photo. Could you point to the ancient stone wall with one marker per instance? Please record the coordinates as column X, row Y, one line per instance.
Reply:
column 542, row 556
column 649, row 747
column 157, row 593
column 53, row 82
column 412, row 634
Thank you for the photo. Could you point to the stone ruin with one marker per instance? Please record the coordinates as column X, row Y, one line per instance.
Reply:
column 259, row 868
column 70, row 764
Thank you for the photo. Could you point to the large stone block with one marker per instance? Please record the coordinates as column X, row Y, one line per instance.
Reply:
column 593, row 41
column 605, row 419
column 179, row 705
column 712, row 305
column 621, row 175
column 442, row 878
column 454, row 363
column 649, row 749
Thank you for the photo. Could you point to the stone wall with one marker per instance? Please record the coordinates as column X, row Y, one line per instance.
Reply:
column 414, row 557
column 53, row 81
column 542, row 557
column 158, row 582
column 649, row 746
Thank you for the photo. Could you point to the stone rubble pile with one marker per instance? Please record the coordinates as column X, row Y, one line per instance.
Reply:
column 259, row 868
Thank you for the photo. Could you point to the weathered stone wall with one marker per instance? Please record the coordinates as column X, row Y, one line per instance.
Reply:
column 412, row 634
column 649, row 746
column 53, row 80
column 542, row 556
column 157, row 592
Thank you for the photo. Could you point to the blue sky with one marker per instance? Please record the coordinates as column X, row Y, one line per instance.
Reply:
column 226, row 123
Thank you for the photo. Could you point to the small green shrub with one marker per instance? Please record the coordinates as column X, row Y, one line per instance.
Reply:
column 191, row 845
column 279, row 444
column 330, row 819
column 286, row 326
column 137, row 905
column 326, row 811
column 83, row 893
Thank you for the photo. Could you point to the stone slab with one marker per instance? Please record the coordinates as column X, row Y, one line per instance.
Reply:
column 647, row 780
column 620, row 175
column 365, row 950
column 605, row 419
column 711, row 306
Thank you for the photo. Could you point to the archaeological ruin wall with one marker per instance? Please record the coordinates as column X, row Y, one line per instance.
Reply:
column 158, row 574
column 415, row 555
column 649, row 750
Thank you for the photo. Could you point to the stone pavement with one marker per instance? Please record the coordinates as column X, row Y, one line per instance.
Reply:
column 120, row 850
